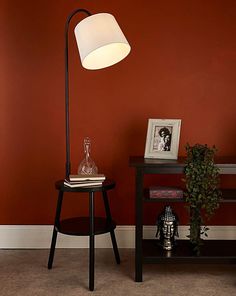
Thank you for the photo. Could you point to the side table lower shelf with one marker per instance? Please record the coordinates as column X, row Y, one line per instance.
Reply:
column 80, row 226
column 213, row 251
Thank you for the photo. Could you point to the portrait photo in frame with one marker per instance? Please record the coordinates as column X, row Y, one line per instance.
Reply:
column 162, row 138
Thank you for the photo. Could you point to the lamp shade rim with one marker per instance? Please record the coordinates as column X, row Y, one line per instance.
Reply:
column 93, row 15
column 126, row 50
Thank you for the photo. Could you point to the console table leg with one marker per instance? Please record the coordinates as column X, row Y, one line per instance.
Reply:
column 139, row 227
column 54, row 235
column 112, row 233
column 91, row 241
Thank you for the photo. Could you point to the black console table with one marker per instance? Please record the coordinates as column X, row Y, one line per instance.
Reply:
column 147, row 250
column 85, row 226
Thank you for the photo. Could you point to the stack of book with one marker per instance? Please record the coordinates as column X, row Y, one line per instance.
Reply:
column 94, row 180
column 165, row 192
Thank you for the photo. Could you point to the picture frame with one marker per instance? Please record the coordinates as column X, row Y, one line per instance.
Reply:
column 162, row 139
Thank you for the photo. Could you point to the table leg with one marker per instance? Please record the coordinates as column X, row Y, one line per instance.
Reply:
column 91, row 241
column 55, row 230
column 139, row 226
column 112, row 233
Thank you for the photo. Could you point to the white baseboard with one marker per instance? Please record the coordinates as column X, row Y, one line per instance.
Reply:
column 39, row 236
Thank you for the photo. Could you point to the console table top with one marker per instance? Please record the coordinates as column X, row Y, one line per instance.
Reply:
column 227, row 164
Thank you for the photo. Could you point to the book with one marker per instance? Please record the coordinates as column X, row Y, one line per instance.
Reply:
column 75, row 184
column 94, row 177
column 165, row 192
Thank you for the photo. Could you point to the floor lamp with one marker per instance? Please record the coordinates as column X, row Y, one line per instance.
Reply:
column 101, row 44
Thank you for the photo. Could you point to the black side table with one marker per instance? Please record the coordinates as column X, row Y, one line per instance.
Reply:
column 89, row 226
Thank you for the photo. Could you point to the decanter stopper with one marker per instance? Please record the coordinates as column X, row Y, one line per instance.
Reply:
column 87, row 165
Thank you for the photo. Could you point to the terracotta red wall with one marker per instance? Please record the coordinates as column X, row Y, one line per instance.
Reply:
column 182, row 65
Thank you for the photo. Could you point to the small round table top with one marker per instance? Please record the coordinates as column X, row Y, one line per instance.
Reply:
column 106, row 185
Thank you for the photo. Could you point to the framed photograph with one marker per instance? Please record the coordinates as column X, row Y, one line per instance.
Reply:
column 162, row 138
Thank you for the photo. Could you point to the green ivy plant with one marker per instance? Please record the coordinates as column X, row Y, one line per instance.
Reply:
column 202, row 190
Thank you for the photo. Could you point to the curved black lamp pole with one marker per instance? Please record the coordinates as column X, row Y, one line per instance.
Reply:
column 68, row 164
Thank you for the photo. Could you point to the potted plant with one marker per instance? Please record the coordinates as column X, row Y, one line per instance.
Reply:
column 202, row 190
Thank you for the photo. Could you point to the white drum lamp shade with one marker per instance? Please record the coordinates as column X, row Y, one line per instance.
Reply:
column 100, row 41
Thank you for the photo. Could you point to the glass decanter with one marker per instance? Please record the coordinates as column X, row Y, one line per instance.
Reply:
column 87, row 165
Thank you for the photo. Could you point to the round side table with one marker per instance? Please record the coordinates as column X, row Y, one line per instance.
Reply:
column 85, row 226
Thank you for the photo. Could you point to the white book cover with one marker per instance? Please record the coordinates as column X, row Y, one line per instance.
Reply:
column 84, row 184
column 94, row 177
